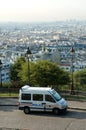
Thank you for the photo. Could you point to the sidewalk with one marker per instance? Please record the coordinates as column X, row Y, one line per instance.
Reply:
column 8, row 101
column 11, row 129
column 79, row 105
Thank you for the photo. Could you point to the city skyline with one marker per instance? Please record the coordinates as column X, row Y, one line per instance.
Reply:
column 41, row 10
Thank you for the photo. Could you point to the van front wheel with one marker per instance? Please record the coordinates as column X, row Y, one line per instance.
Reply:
column 26, row 110
column 56, row 111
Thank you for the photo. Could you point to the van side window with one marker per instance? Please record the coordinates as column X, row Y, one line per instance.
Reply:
column 37, row 97
column 49, row 98
column 26, row 97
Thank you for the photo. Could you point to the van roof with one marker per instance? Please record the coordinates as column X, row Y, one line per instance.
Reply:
column 27, row 87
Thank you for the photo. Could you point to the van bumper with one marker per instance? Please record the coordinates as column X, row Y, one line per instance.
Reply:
column 63, row 110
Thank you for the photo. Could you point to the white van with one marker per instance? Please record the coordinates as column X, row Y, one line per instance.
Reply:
column 40, row 99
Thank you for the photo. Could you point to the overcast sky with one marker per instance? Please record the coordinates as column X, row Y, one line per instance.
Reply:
column 42, row 10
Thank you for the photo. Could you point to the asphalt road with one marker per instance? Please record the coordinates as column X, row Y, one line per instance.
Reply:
column 11, row 117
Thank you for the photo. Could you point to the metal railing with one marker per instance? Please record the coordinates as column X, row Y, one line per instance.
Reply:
column 78, row 95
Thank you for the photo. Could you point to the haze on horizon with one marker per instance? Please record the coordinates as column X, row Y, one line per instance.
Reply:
column 41, row 10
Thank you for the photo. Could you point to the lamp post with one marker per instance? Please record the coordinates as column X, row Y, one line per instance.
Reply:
column 0, row 74
column 28, row 53
column 72, row 51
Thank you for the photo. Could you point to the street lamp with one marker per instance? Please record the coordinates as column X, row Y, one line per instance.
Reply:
column 0, row 74
column 72, row 51
column 28, row 53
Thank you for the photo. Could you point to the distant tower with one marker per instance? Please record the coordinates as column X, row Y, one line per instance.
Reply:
column 55, row 56
column 43, row 48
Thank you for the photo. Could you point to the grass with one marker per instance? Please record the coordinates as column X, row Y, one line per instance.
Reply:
column 8, row 94
column 75, row 97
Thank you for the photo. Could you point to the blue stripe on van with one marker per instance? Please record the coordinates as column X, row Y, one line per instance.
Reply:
column 41, row 108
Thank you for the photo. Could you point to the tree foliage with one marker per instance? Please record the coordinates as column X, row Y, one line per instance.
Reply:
column 80, row 78
column 44, row 73
column 23, row 73
column 16, row 68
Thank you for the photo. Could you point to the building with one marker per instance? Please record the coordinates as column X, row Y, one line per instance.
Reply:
column 5, row 73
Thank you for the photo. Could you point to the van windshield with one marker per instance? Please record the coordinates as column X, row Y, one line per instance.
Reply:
column 56, row 95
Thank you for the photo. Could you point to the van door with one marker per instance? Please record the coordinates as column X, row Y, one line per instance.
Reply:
column 50, row 103
column 37, row 102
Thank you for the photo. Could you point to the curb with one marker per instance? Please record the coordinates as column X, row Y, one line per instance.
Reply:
column 8, row 105
column 75, row 108
column 12, row 129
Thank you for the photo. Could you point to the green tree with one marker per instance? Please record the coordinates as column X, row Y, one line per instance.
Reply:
column 44, row 73
column 23, row 73
column 16, row 68
column 80, row 79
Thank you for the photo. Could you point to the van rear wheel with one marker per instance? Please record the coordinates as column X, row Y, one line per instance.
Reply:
column 26, row 110
column 56, row 111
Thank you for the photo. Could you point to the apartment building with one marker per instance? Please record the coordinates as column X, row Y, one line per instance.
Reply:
column 5, row 73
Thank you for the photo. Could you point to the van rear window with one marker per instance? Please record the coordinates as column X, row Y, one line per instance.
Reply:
column 26, row 97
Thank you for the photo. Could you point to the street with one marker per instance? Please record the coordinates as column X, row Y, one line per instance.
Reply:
column 11, row 117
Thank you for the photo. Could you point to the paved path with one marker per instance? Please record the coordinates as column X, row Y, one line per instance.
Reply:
column 71, row 104
column 11, row 129
column 8, row 101
column 77, row 105
column 13, row 119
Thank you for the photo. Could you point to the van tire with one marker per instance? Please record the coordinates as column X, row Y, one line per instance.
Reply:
column 56, row 111
column 26, row 110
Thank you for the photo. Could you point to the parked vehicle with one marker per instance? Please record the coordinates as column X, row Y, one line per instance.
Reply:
column 41, row 99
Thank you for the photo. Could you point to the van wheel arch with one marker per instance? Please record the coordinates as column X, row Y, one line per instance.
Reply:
column 26, row 110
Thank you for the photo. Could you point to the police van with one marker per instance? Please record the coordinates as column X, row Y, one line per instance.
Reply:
column 41, row 99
